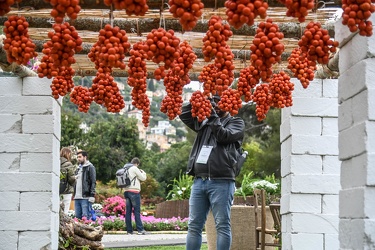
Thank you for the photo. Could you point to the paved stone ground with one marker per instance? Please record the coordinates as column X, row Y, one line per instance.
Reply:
column 150, row 239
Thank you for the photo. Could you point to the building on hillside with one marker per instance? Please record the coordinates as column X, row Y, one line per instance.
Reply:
column 160, row 139
column 164, row 128
column 137, row 114
column 164, row 134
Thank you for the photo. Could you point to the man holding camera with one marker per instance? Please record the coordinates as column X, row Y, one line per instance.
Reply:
column 211, row 163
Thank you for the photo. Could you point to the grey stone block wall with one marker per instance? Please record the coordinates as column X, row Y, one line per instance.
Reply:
column 29, row 164
column 356, row 99
column 310, row 168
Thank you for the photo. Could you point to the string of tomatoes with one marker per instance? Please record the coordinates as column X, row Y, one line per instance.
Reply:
column 256, row 83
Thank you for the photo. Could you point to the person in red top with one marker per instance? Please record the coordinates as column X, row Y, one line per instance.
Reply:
column 133, row 197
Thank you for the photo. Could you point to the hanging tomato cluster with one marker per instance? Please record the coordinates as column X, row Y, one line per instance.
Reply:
column 187, row 11
column 316, row 43
column 200, row 106
column 208, row 77
column 18, row 45
column 184, row 62
column 277, row 93
column 216, row 36
column 110, row 49
column 262, row 99
column 64, row 43
column 142, row 102
column 230, row 101
column 266, row 50
column 356, row 14
column 281, row 89
column 104, row 91
column 218, row 76
column 5, row 6
column 162, row 46
column 132, row 7
column 246, row 82
column 63, row 83
column 176, row 79
column 137, row 71
column 172, row 102
column 240, row 12
column 224, row 67
column 59, row 51
column 81, row 97
column 138, row 80
column 62, row 7
column 297, row 8
column 301, row 67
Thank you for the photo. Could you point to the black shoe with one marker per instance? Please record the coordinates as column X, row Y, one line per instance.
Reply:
column 129, row 233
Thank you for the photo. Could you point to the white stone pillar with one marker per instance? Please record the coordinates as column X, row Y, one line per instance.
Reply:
column 29, row 164
column 356, row 99
column 310, row 168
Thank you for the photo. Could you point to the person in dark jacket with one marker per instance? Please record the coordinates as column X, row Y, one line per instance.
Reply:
column 212, row 162
column 84, row 191
column 67, row 175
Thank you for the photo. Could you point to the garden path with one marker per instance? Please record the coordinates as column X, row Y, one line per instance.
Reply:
column 151, row 239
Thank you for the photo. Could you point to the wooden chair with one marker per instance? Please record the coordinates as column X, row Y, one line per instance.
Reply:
column 261, row 230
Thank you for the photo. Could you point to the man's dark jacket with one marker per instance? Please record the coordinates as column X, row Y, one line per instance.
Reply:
column 88, row 180
column 224, row 134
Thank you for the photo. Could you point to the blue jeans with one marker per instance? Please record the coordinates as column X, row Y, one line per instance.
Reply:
column 216, row 195
column 81, row 208
column 133, row 203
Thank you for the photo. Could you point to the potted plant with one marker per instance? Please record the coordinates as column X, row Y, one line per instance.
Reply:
column 177, row 204
column 243, row 215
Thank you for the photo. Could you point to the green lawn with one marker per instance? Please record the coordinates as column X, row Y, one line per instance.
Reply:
column 204, row 247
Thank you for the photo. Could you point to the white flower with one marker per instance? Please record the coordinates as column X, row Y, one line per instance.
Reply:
column 71, row 213
column 97, row 206
column 179, row 192
column 264, row 183
column 183, row 189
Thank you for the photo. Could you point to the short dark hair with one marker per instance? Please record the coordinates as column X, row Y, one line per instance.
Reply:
column 83, row 153
column 135, row 160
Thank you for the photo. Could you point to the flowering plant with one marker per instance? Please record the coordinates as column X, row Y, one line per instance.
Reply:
column 97, row 206
column 249, row 183
column 181, row 188
column 33, row 64
column 150, row 223
column 71, row 213
column 114, row 206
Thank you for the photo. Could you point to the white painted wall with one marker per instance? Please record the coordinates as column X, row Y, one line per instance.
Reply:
column 29, row 164
column 310, row 168
column 356, row 97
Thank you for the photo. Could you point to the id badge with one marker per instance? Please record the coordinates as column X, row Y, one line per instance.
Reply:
column 204, row 154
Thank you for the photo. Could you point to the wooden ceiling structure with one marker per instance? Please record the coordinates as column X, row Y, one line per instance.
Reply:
column 94, row 15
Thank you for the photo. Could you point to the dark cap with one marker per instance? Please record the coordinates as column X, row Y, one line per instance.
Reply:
column 216, row 97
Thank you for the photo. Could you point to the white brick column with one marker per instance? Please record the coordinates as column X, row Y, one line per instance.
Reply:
column 29, row 164
column 310, row 168
column 357, row 139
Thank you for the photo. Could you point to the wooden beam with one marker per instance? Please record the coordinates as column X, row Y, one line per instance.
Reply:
column 99, row 4
column 95, row 20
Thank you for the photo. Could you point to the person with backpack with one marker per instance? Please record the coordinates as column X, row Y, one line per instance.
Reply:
column 213, row 163
column 84, row 191
column 132, row 196
column 67, row 177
